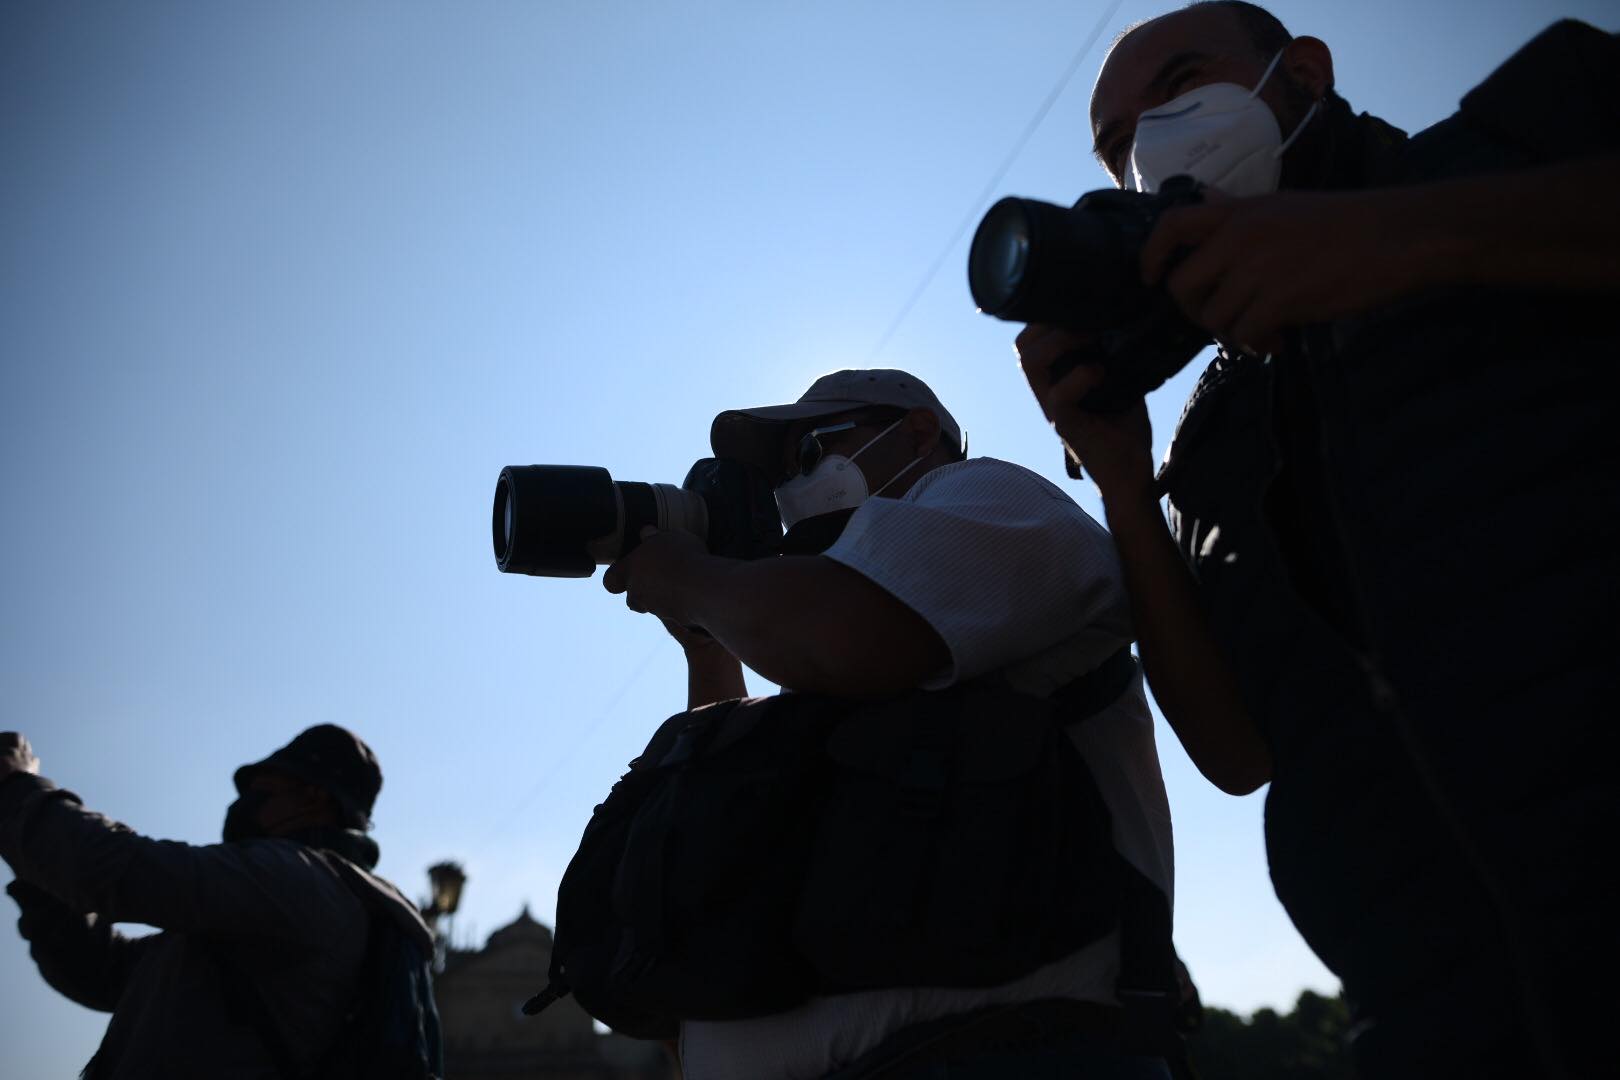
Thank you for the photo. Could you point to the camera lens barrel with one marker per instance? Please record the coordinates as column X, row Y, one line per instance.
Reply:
column 566, row 520
column 547, row 516
column 1079, row 268
column 673, row 508
column 1034, row 261
column 998, row 261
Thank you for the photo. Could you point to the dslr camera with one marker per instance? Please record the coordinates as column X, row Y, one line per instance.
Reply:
column 566, row 520
column 1079, row 268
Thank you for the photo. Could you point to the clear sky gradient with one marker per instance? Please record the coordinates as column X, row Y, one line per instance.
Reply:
column 283, row 286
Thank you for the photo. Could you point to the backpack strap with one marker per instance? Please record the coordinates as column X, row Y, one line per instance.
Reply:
column 245, row 1003
column 1146, row 986
column 360, row 1019
column 1098, row 688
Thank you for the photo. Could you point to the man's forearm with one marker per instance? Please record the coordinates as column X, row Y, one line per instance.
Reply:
column 80, row 956
column 1184, row 666
column 1555, row 227
column 811, row 624
column 712, row 675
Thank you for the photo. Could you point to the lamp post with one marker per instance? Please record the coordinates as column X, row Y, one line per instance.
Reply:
column 445, row 882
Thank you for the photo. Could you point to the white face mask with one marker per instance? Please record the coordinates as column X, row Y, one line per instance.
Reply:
column 1221, row 135
column 834, row 484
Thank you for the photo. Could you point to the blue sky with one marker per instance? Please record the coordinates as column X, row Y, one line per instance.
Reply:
column 282, row 287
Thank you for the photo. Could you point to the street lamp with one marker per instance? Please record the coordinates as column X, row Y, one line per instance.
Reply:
column 446, row 880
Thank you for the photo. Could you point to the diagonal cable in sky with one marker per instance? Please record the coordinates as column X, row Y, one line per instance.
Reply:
column 1001, row 173
column 500, row 825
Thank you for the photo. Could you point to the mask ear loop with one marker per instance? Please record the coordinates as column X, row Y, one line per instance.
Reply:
column 875, row 438
column 897, row 475
column 1267, row 73
column 1286, row 143
column 914, row 463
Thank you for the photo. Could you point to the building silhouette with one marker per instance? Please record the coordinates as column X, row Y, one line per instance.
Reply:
column 486, row 1036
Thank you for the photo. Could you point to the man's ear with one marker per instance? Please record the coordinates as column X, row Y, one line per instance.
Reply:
column 923, row 427
column 1309, row 64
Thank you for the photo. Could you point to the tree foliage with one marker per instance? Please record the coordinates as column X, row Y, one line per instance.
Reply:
column 1306, row 1044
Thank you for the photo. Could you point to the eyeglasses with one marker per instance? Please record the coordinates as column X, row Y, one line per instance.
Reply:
column 810, row 449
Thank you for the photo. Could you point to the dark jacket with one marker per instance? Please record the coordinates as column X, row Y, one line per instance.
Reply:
column 1406, row 532
column 270, row 911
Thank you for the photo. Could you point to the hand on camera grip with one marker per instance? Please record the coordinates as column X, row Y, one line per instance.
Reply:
column 1112, row 443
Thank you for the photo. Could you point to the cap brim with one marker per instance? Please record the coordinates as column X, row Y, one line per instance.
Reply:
column 755, row 435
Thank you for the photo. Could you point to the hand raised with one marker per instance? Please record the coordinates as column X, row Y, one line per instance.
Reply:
column 16, row 755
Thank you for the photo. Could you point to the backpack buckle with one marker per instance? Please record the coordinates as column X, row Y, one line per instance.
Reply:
column 553, row 993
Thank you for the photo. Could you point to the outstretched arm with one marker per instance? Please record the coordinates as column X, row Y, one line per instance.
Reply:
column 92, row 864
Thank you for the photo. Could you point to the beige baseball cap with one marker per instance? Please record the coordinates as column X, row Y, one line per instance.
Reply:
column 755, row 435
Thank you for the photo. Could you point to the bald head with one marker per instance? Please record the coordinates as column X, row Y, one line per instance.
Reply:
column 1165, row 57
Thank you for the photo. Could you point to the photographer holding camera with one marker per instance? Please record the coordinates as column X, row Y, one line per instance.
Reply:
column 1389, row 580
column 280, row 952
column 916, row 567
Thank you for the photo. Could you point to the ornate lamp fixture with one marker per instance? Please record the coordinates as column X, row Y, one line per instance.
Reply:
column 446, row 880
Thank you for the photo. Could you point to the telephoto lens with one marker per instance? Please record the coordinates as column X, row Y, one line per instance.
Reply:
column 1079, row 268
column 566, row 520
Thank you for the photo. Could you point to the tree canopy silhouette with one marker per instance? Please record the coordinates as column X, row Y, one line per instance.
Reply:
column 1306, row 1044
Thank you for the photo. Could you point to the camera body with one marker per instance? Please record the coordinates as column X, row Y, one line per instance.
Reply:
column 1079, row 268
column 566, row 520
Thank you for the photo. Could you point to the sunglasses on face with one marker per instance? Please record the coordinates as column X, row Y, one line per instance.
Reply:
column 810, row 449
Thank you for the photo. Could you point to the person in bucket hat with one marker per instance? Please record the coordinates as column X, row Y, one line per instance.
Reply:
column 263, row 936
column 332, row 759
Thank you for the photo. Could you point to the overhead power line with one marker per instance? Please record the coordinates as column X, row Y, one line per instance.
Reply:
column 1001, row 173
column 541, row 784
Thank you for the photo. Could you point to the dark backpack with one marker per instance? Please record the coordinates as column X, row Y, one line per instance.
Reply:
column 390, row 1028
column 762, row 851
